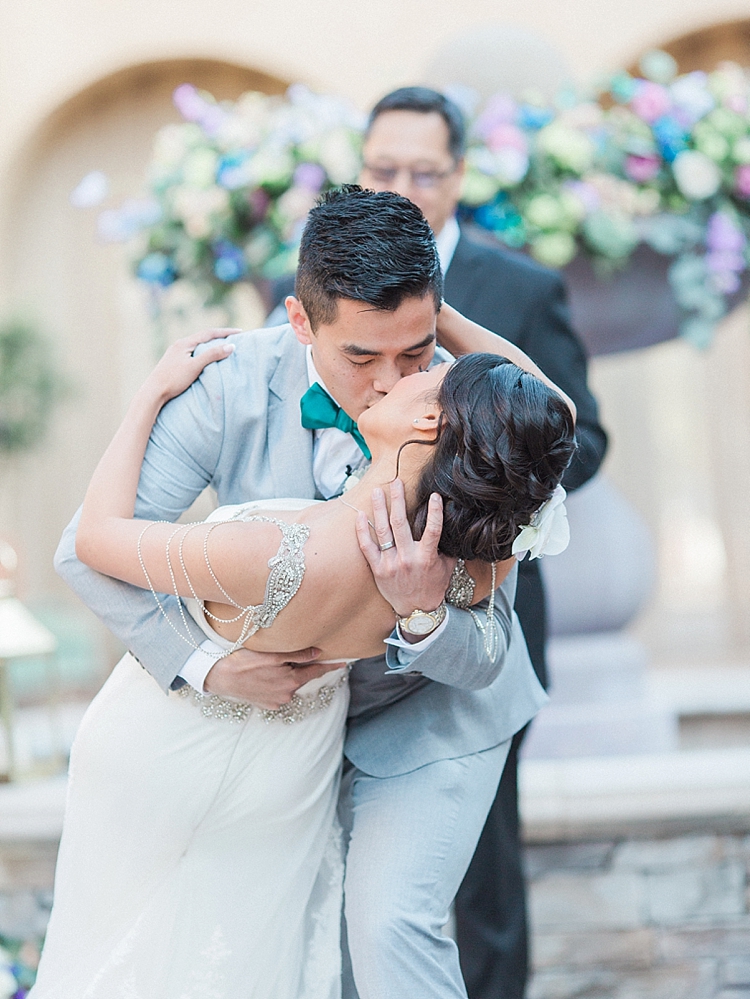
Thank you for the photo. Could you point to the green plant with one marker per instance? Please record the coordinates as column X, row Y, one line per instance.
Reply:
column 30, row 385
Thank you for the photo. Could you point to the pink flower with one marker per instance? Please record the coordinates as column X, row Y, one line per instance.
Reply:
column 507, row 136
column 651, row 101
column 642, row 169
column 742, row 180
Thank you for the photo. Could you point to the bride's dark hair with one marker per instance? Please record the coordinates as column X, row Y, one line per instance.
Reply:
column 504, row 440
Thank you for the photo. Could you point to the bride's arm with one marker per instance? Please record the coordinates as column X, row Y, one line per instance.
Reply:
column 108, row 537
column 460, row 335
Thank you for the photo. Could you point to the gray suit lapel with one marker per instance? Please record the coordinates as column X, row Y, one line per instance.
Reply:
column 290, row 453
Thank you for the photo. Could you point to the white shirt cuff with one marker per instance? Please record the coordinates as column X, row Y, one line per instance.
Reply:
column 408, row 651
column 196, row 668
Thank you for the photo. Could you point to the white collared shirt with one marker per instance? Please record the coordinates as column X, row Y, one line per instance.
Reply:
column 447, row 241
column 335, row 453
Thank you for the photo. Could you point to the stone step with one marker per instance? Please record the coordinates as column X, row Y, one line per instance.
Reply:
column 653, row 794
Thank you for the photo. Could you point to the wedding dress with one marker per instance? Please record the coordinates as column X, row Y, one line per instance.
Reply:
column 201, row 858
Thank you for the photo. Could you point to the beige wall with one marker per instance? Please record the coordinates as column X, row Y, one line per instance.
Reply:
column 71, row 100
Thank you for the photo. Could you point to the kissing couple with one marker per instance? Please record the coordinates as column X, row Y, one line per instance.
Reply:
column 229, row 798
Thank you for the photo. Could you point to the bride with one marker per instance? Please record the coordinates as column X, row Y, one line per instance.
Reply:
column 200, row 857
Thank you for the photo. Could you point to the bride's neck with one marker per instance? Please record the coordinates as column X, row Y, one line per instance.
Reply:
column 381, row 473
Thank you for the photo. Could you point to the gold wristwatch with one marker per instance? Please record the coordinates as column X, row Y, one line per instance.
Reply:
column 421, row 622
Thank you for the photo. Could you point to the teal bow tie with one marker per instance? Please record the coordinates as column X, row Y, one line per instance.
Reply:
column 319, row 411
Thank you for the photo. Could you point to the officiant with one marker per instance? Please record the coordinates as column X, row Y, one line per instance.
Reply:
column 414, row 145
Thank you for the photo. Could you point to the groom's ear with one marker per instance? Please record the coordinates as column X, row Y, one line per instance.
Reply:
column 298, row 320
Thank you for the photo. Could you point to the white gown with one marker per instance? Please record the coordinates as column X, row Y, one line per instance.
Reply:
column 200, row 857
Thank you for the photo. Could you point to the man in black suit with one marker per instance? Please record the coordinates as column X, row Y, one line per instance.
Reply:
column 414, row 146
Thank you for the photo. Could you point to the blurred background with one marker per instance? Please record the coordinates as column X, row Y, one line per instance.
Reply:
column 649, row 731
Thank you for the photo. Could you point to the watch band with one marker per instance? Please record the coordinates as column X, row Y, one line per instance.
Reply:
column 421, row 622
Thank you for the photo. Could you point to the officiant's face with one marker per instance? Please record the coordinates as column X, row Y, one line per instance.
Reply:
column 408, row 152
column 365, row 351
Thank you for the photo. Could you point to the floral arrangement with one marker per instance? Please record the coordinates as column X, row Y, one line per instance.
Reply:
column 663, row 159
column 660, row 159
column 231, row 186
column 30, row 386
column 18, row 963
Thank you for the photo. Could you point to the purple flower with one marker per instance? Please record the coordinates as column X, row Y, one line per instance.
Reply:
column 587, row 194
column 259, row 200
column 742, row 180
column 651, row 101
column 501, row 109
column 724, row 261
column 727, row 282
column 310, row 176
column 724, row 236
column 642, row 169
column 194, row 107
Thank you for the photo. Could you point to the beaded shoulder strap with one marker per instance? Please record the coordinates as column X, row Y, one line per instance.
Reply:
column 287, row 570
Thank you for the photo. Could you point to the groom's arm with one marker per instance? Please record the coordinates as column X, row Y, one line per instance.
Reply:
column 180, row 461
column 458, row 655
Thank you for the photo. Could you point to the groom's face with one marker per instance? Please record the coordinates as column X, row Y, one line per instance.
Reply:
column 363, row 353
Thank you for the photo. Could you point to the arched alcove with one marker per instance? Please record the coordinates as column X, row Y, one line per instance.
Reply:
column 79, row 290
column 704, row 48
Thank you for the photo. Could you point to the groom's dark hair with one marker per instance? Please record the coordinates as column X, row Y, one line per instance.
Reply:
column 373, row 247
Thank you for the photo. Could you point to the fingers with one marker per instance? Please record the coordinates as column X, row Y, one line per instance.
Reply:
column 211, row 354
column 367, row 546
column 399, row 522
column 380, row 518
column 216, row 333
column 433, row 528
column 302, row 656
column 303, row 674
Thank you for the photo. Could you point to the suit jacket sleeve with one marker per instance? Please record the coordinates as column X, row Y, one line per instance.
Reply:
column 180, row 461
column 458, row 657
column 549, row 340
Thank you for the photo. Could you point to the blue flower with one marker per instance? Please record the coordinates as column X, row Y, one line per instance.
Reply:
column 533, row 117
column 670, row 136
column 157, row 268
column 230, row 264
column 232, row 171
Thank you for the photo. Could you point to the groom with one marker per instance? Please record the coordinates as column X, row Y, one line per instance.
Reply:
column 430, row 723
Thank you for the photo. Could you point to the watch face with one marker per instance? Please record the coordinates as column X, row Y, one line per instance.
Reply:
column 421, row 624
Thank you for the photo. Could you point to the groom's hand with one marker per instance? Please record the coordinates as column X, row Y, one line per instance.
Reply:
column 268, row 679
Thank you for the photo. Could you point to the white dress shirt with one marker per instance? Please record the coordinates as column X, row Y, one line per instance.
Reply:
column 447, row 241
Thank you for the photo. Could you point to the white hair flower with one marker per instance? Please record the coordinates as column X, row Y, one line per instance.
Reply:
column 549, row 531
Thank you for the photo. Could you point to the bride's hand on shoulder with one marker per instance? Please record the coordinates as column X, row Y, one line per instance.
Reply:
column 180, row 365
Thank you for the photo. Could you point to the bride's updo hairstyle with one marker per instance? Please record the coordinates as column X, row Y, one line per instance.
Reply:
column 504, row 441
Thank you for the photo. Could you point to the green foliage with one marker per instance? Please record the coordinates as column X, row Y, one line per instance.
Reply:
column 30, row 386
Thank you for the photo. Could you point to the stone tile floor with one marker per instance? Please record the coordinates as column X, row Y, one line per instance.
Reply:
column 641, row 919
column 627, row 919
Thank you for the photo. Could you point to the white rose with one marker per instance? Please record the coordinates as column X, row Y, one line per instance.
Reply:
column 549, row 531
column 8, row 983
column 696, row 176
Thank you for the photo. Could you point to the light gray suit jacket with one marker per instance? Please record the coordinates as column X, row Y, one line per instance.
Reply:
column 238, row 429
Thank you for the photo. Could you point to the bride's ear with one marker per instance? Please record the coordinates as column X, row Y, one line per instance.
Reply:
column 427, row 423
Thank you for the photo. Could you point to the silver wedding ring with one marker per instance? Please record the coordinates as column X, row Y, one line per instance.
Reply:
column 387, row 545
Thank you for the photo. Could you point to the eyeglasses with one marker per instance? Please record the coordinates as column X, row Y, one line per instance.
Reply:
column 423, row 179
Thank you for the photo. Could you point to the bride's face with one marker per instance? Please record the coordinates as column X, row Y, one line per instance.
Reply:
column 409, row 409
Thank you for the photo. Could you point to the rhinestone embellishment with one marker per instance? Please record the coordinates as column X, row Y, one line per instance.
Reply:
column 301, row 706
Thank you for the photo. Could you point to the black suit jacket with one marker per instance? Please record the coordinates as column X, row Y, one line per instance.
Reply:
column 526, row 303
